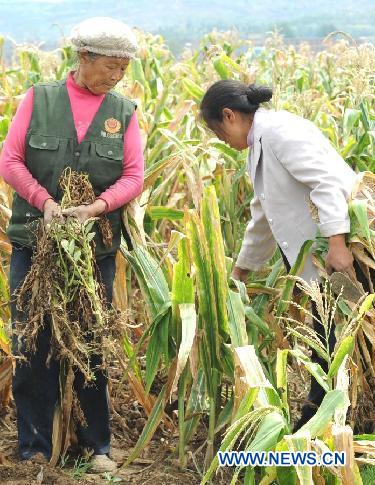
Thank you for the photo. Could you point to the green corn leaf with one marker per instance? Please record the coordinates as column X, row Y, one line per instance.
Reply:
column 206, row 293
column 273, row 397
column 195, row 405
column 246, row 403
column 319, row 422
column 259, row 303
column 364, row 141
column 346, row 348
column 164, row 337
column 4, row 340
column 149, row 430
column 247, row 359
column 230, row 62
column 344, row 308
column 282, row 374
column 230, row 439
column 342, row 383
column 212, row 229
column 164, row 310
column 285, row 474
column 301, row 442
column 359, row 225
column 349, row 147
column 311, row 343
column 256, row 320
column 269, row 432
column 169, row 135
column 313, row 368
column 189, row 326
column 249, row 478
column 365, row 116
column 236, row 317
column 269, row 477
column 231, row 153
column 227, row 359
column 351, row 118
column 205, row 360
column 195, row 91
column 137, row 72
column 160, row 212
column 364, row 437
column 225, row 415
column 241, row 287
column 182, row 284
column 156, row 167
column 131, row 355
column 150, row 277
column 365, row 306
column 153, row 357
column 221, row 69
column 296, row 270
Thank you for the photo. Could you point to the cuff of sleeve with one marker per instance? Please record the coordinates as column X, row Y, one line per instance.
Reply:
column 38, row 200
column 329, row 229
column 107, row 208
column 245, row 262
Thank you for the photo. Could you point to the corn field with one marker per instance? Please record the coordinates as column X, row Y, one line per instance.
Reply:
column 225, row 353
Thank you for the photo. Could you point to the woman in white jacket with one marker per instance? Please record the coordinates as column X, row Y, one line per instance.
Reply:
column 291, row 164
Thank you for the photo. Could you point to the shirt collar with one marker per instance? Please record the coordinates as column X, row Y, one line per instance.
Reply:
column 250, row 136
column 256, row 125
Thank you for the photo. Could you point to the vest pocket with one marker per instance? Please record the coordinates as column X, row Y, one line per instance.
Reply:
column 42, row 159
column 23, row 211
column 105, row 166
column 43, row 142
column 23, row 224
column 110, row 152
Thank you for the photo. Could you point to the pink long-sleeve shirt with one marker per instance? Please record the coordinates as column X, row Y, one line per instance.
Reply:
column 84, row 106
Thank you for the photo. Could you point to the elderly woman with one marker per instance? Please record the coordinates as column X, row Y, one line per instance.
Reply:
column 79, row 123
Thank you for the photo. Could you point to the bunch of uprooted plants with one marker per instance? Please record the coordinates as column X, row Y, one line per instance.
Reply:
column 63, row 289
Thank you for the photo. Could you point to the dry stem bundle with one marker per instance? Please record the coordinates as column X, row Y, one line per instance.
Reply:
column 63, row 287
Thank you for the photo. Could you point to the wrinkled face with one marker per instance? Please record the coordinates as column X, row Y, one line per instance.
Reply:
column 101, row 74
column 233, row 130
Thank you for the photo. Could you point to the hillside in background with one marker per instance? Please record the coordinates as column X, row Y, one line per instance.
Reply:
column 185, row 21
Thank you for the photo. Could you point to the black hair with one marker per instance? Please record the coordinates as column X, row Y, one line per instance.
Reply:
column 229, row 93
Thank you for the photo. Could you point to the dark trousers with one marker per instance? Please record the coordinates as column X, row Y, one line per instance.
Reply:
column 36, row 383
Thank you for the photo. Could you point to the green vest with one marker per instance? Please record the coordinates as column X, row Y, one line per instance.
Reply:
column 52, row 145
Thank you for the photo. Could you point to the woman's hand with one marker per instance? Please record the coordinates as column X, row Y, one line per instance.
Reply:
column 84, row 212
column 339, row 258
column 240, row 274
column 51, row 210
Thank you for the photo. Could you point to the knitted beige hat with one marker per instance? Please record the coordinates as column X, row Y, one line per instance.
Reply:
column 106, row 36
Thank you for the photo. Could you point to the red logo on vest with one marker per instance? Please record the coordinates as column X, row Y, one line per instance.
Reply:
column 112, row 125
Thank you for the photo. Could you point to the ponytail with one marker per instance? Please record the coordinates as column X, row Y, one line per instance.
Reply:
column 232, row 94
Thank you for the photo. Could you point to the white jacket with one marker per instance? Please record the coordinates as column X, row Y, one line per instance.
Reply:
column 291, row 163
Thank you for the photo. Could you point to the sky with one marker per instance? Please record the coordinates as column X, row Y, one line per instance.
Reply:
column 48, row 20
